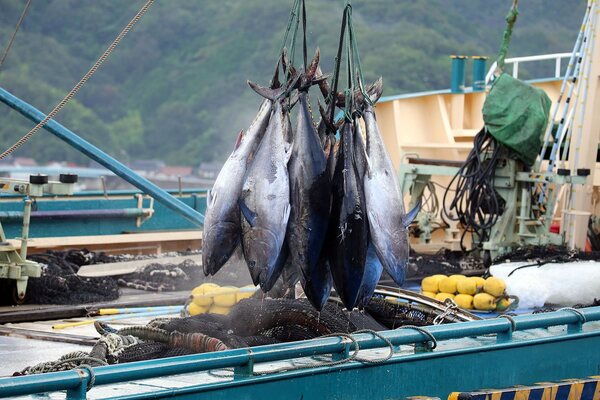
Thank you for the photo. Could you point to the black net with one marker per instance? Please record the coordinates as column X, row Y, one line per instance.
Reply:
column 60, row 284
column 159, row 277
column 251, row 322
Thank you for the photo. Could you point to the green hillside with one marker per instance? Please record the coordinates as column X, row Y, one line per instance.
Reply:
column 175, row 88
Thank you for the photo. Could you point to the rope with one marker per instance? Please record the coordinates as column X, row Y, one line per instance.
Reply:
column 387, row 342
column 511, row 18
column 91, row 373
column 82, row 82
column 431, row 343
column 513, row 323
column 575, row 311
column 342, row 336
column 12, row 38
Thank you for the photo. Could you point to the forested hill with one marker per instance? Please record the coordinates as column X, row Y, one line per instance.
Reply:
column 175, row 88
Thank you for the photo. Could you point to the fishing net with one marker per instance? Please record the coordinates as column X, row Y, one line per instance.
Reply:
column 159, row 277
column 60, row 284
column 251, row 322
column 545, row 254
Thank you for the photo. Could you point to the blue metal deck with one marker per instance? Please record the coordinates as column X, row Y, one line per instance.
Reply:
column 469, row 356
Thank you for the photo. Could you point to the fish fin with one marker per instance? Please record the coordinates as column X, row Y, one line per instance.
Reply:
column 288, row 147
column 209, row 198
column 265, row 92
column 286, row 213
column 375, row 90
column 275, row 81
column 372, row 217
column 248, row 214
column 239, row 139
column 410, row 216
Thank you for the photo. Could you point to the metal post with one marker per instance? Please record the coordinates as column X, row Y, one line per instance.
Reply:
column 457, row 82
column 25, row 232
column 479, row 72
column 102, row 158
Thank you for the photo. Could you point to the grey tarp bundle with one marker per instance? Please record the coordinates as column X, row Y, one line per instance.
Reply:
column 516, row 115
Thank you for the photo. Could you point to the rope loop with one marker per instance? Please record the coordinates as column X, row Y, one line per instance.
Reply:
column 575, row 311
column 513, row 323
column 90, row 372
column 387, row 342
column 431, row 343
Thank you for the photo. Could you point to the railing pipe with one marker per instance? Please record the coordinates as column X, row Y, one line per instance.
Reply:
column 239, row 357
column 102, row 158
column 70, row 214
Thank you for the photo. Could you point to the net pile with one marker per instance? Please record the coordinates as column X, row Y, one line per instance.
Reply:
column 60, row 284
column 158, row 277
column 251, row 322
column 545, row 254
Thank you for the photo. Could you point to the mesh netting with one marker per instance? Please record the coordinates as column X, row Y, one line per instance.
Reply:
column 60, row 284
column 547, row 253
column 251, row 322
column 158, row 277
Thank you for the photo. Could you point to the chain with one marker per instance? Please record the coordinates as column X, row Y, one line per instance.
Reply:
column 82, row 82
column 450, row 308
column 12, row 38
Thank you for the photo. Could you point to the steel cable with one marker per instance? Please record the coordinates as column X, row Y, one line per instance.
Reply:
column 82, row 82
column 12, row 38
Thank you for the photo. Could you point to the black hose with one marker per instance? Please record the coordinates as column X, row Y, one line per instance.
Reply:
column 476, row 203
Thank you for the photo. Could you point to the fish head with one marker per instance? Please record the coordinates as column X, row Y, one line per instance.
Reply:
column 220, row 241
column 262, row 250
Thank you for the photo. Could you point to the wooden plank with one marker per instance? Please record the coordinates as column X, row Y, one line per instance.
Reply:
column 127, row 267
column 78, row 241
column 48, row 336
column 137, row 298
column 134, row 243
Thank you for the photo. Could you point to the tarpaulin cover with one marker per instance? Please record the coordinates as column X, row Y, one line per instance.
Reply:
column 516, row 114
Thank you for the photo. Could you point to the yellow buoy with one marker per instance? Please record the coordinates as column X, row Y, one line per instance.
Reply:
column 464, row 301
column 494, row 286
column 430, row 283
column 484, row 302
column 466, row 286
column 214, row 309
column 448, row 285
column 225, row 296
column 458, row 276
column 479, row 282
column 243, row 294
column 195, row 309
column 428, row 294
column 199, row 293
column 444, row 296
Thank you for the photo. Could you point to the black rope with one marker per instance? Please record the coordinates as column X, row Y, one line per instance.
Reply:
column 476, row 203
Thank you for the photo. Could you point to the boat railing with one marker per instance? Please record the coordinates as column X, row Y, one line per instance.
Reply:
column 516, row 61
column 77, row 381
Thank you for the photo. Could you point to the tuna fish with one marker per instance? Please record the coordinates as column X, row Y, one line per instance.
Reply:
column 385, row 205
column 265, row 199
column 349, row 224
column 310, row 200
column 222, row 219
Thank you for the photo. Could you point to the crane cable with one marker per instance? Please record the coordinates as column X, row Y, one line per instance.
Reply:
column 12, row 38
column 82, row 82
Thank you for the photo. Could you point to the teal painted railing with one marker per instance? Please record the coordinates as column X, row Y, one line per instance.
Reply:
column 109, row 203
column 120, row 169
column 516, row 361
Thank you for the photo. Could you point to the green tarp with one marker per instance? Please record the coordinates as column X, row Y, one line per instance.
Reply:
column 516, row 114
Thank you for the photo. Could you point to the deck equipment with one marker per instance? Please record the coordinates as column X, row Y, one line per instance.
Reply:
column 14, row 265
